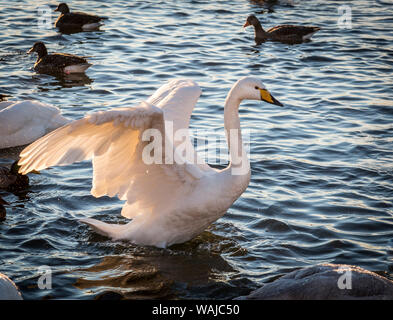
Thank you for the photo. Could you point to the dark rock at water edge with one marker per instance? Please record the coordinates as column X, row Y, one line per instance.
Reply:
column 326, row 282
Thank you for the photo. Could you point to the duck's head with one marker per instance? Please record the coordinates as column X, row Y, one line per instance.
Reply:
column 251, row 21
column 15, row 168
column 40, row 48
column 251, row 88
column 3, row 97
column 63, row 8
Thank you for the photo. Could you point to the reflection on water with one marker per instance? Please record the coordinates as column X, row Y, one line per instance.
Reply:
column 321, row 185
column 152, row 273
column 46, row 82
column 270, row 5
column 129, row 277
column 74, row 31
column 66, row 81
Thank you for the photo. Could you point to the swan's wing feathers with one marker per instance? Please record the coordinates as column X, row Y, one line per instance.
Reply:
column 114, row 140
column 176, row 89
column 92, row 135
column 177, row 99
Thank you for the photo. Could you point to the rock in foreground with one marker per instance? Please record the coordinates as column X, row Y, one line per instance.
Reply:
column 326, row 282
column 8, row 289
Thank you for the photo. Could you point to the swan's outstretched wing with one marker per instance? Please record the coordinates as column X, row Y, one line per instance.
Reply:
column 177, row 98
column 114, row 140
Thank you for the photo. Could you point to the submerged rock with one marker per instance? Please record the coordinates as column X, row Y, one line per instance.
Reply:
column 326, row 282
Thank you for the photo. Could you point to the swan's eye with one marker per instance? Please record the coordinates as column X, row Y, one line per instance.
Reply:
column 256, row 88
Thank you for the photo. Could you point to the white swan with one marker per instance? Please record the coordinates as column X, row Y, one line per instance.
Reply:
column 168, row 203
column 8, row 289
column 22, row 122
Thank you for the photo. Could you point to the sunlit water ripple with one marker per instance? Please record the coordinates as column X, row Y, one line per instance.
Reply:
column 321, row 187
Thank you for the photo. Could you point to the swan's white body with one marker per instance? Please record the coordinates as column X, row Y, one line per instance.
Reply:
column 170, row 202
column 8, row 289
column 22, row 122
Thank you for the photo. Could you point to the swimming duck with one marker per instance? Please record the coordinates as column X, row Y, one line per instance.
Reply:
column 271, row 3
column 170, row 197
column 57, row 63
column 3, row 97
column 76, row 20
column 285, row 33
column 22, row 122
column 2, row 209
column 11, row 180
column 284, row 2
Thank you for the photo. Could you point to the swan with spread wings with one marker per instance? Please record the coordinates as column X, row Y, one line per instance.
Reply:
column 167, row 202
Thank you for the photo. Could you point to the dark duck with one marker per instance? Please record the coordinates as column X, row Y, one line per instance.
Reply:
column 11, row 180
column 57, row 63
column 76, row 21
column 285, row 33
column 270, row 4
column 3, row 212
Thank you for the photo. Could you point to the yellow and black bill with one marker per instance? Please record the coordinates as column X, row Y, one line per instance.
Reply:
column 267, row 97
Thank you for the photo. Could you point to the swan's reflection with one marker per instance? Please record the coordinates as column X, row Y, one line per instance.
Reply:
column 151, row 273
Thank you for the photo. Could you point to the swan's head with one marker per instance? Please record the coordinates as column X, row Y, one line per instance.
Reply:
column 63, row 8
column 38, row 47
column 250, row 88
column 251, row 21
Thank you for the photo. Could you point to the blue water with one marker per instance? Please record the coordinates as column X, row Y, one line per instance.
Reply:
column 322, row 170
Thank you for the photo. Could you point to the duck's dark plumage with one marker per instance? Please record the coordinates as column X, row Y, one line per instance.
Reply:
column 3, row 212
column 6, row 178
column 76, row 20
column 11, row 180
column 291, row 32
column 3, row 96
column 284, row 33
column 288, row 29
column 56, row 63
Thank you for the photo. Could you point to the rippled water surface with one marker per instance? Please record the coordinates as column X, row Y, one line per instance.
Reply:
column 321, row 187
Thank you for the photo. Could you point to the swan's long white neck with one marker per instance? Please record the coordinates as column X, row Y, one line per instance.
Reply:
column 238, row 156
